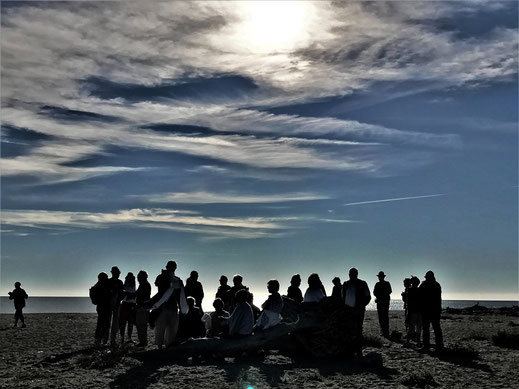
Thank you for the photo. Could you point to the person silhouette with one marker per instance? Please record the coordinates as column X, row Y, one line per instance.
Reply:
column 314, row 292
column 272, row 307
column 414, row 317
column 382, row 292
column 142, row 295
column 101, row 296
column 237, row 281
column 405, row 296
column 190, row 324
column 293, row 290
column 19, row 296
column 217, row 325
column 127, row 310
column 241, row 321
column 430, row 297
column 195, row 289
column 356, row 295
column 223, row 291
column 168, row 300
column 117, row 292
column 337, row 289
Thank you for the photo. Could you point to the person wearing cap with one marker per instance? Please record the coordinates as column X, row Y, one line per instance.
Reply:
column 430, row 301
column 19, row 296
column 382, row 292
column 117, row 294
column 356, row 295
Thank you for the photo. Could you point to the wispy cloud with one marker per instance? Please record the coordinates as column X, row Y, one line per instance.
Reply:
column 394, row 199
column 231, row 198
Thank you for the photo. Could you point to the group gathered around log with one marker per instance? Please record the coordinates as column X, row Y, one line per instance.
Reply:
column 310, row 322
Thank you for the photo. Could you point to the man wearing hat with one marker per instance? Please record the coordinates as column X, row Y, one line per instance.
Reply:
column 382, row 294
column 117, row 294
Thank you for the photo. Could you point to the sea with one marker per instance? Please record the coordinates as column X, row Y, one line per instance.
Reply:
column 84, row 305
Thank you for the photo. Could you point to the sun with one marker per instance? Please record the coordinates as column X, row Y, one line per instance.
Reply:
column 274, row 26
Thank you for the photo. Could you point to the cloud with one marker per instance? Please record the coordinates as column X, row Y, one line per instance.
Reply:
column 394, row 199
column 231, row 198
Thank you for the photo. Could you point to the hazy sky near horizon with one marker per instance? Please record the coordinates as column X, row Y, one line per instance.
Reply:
column 260, row 138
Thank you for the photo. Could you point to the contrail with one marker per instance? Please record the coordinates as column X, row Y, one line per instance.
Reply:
column 395, row 199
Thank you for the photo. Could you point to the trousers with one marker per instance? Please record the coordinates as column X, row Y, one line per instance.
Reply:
column 166, row 326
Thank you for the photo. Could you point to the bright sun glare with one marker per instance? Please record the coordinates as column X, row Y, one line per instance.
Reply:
column 270, row 26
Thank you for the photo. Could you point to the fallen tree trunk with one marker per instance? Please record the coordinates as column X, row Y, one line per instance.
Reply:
column 324, row 329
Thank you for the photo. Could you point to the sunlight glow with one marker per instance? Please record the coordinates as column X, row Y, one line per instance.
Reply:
column 273, row 26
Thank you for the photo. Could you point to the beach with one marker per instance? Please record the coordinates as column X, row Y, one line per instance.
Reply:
column 55, row 351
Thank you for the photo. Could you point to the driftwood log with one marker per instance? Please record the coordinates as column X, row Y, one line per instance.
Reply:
column 323, row 329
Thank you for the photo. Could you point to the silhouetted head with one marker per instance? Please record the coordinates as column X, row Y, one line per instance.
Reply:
column 314, row 281
column 415, row 281
column 381, row 275
column 429, row 276
column 296, row 280
column 142, row 276
column 171, row 266
column 115, row 272
column 273, row 286
column 237, row 280
column 336, row 281
column 129, row 279
column 17, row 285
column 223, row 280
column 101, row 277
column 241, row 296
column 407, row 282
column 194, row 275
column 190, row 301
column 218, row 304
column 249, row 297
column 353, row 274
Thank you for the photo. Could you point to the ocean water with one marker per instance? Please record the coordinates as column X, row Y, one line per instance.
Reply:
column 83, row 304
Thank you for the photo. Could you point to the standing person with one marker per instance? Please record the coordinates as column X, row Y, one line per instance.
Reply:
column 430, row 297
column 117, row 294
column 195, row 289
column 414, row 317
column 405, row 295
column 382, row 293
column 293, row 291
column 101, row 295
column 223, row 291
column 169, row 299
column 19, row 296
column 127, row 310
column 314, row 292
column 337, row 289
column 356, row 296
column 272, row 307
column 142, row 295
column 237, row 281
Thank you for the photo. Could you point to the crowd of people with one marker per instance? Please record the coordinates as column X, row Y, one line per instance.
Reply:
column 175, row 311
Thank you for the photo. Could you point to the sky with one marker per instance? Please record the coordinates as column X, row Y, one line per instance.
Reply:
column 260, row 138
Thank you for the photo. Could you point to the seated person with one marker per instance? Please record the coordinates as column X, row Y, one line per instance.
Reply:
column 241, row 321
column 255, row 310
column 217, row 323
column 272, row 307
column 314, row 293
column 190, row 324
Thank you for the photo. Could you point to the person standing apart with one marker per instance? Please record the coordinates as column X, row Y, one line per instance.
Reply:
column 430, row 295
column 19, row 296
column 142, row 295
column 117, row 293
column 171, row 298
column 382, row 293
column 356, row 296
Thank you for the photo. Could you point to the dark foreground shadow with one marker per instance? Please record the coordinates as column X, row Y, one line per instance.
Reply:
column 273, row 370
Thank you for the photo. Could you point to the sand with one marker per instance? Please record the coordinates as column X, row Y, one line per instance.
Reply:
column 55, row 351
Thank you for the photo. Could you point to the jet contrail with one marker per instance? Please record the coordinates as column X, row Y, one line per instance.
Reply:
column 395, row 199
